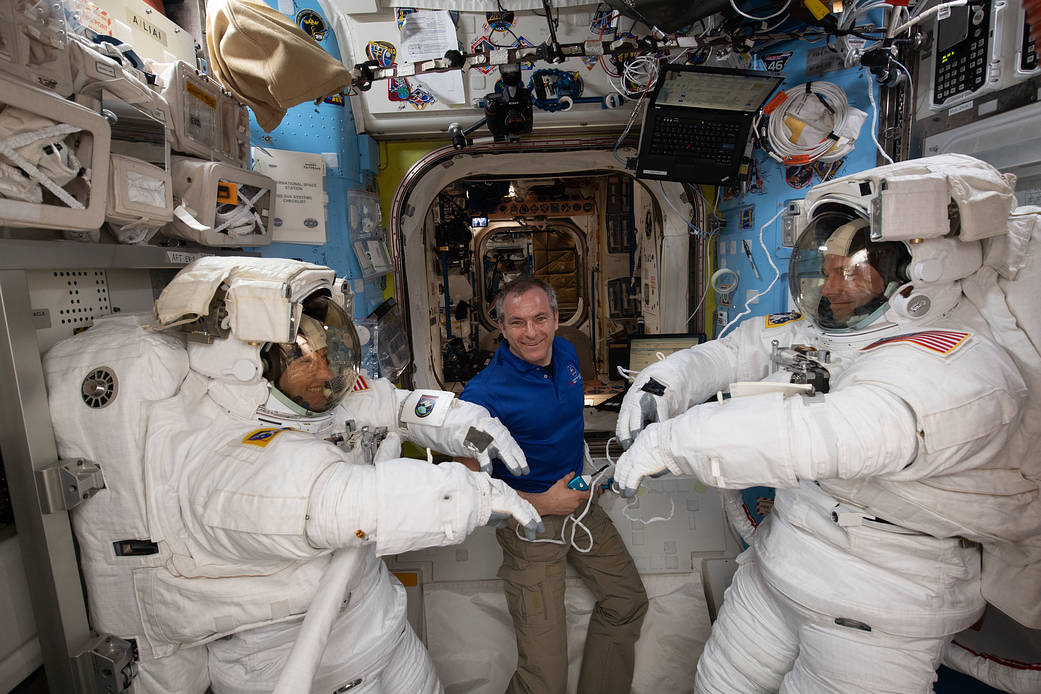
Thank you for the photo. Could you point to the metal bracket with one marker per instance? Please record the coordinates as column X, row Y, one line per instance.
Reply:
column 110, row 660
column 65, row 484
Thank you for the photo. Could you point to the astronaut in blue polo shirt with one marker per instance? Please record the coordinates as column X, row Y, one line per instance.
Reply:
column 534, row 387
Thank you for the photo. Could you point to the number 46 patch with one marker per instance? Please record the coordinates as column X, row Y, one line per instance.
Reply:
column 775, row 62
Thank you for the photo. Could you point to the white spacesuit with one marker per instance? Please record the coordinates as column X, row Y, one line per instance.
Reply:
column 891, row 420
column 233, row 470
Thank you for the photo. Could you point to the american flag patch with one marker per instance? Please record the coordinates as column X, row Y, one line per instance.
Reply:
column 939, row 341
column 360, row 384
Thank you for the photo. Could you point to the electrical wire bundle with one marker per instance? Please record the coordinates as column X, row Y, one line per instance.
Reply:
column 811, row 122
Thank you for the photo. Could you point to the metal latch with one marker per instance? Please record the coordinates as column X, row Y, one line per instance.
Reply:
column 65, row 484
column 366, row 440
column 110, row 661
column 804, row 362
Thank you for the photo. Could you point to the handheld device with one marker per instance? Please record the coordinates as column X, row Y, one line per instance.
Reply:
column 580, row 482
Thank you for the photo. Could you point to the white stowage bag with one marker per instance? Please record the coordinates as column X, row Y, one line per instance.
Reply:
column 27, row 138
column 132, row 368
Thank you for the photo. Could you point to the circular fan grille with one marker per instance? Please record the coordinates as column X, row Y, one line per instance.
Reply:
column 99, row 387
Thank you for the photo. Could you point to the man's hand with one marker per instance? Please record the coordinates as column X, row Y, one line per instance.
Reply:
column 558, row 500
column 488, row 439
column 506, row 504
column 642, row 459
column 644, row 403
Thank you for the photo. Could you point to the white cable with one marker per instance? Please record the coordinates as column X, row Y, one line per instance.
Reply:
column 842, row 130
column 631, row 504
column 572, row 521
column 874, row 116
column 925, row 15
column 910, row 82
column 753, row 297
column 760, row 19
column 697, row 232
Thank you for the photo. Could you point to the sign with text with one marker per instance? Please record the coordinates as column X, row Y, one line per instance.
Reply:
column 299, row 209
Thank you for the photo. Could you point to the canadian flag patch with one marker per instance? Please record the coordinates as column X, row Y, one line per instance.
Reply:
column 938, row 341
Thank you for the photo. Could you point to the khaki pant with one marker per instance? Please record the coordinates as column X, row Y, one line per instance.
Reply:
column 534, row 583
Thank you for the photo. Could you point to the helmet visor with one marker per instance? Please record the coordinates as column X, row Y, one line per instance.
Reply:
column 831, row 276
column 320, row 367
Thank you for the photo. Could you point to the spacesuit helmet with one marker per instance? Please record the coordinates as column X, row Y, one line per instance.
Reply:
column 839, row 278
column 313, row 373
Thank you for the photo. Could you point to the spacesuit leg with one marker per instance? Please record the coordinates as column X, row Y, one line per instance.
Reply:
column 410, row 669
column 752, row 644
column 837, row 659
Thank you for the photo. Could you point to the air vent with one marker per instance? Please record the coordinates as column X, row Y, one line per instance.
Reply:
column 99, row 387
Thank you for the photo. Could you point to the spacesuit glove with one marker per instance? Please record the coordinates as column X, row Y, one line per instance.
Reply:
column 647, row 401
column 488, row 439
column 645, row 457
column 506, row 503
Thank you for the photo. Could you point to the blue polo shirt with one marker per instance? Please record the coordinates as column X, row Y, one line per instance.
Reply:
column 542, row 408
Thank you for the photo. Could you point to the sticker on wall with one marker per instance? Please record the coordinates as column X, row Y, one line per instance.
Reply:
column 383, row 52
column 826, row 170
column 400, row 14
column 312, row 23
column 397, row 89
column 483, row 45
column 590, row 61
column 798, row 176
column 747, row 217
column 603, row 19
column 499, row 21
column 522, row 42
column 775, row 62
column 420, row 98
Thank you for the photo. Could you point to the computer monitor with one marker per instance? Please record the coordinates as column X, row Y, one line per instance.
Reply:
column 644, row 349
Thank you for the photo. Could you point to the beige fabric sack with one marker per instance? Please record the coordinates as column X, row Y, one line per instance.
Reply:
column 266, row 61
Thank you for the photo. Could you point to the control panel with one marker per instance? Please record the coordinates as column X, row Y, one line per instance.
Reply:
column 966, row 56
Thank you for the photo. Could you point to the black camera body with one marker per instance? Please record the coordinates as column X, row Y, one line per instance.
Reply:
column 508, row 113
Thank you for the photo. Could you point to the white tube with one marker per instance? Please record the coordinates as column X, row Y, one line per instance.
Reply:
column 309, row 647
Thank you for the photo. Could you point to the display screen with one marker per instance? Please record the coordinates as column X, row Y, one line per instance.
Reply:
column 644, row 349
column 477, row 222
column 712, row 90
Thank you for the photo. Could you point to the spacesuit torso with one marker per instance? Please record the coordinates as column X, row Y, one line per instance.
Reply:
column 907, row 525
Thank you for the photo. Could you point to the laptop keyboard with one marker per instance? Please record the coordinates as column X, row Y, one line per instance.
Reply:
column 695, row 138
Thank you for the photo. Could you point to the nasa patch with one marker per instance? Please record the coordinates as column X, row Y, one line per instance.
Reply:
column 383, row 52
column 576, row 377
column 312, row 23
column 425, row 405
column 777, row 319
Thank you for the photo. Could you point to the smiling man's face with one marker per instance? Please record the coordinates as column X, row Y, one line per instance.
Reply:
column 849, row 283
column 529, row 324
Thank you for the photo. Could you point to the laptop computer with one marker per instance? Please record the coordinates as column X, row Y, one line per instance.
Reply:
column 643, row 350
column 697, row 123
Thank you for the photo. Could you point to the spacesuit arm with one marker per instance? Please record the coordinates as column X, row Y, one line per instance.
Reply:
column 690, row 376
column 777, row 440
column 467, row 430
column 404, row 504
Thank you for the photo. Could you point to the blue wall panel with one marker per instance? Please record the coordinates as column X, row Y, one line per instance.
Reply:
column 769, row 192
column 327, row 129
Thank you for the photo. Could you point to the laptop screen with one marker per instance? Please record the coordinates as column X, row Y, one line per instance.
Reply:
column 644, row 349
column 728, row 90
